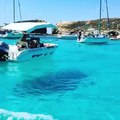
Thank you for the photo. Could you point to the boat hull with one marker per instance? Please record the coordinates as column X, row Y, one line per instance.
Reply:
column 11, row 35
column 37, row 53
column 96, row 40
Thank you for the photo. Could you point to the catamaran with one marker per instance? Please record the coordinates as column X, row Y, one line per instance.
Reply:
column 15, row 30
column 95, row 38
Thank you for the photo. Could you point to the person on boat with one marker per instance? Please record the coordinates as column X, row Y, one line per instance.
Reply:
column 34, row 42
column 25, row 37
column 79, row 35
column 40, row 43
column 23, row 43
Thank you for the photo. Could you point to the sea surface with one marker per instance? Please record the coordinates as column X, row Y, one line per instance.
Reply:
column 79, row 82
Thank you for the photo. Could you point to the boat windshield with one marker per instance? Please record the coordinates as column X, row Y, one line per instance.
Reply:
column 30, row 42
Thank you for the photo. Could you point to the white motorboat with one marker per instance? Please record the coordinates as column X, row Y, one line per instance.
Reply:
column 25, row 50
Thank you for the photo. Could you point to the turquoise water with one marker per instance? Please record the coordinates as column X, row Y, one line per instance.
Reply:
column 79, row 82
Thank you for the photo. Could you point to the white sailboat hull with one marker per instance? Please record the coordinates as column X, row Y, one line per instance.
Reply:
column 93, row 40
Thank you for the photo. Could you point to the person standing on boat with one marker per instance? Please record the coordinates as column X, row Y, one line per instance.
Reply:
column 79, row 35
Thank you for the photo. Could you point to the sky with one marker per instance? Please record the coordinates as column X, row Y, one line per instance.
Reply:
column 55, row 11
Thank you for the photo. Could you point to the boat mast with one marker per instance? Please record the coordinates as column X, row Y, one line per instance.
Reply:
column 99, row 24
column 108, row 20
column 20, row 11
column 14, row 11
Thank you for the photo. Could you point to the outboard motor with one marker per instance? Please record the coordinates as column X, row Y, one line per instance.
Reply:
column 4, row 48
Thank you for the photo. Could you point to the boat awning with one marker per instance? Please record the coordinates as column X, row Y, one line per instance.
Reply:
column 28, row 26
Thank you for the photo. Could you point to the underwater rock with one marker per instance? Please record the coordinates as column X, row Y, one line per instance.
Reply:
column 51, row 83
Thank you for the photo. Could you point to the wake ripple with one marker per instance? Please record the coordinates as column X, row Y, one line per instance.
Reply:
column 9, row 115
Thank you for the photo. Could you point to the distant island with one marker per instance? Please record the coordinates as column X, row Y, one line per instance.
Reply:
column 73, row 27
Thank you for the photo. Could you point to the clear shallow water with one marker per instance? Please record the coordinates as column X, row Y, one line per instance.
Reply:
column 79, row 82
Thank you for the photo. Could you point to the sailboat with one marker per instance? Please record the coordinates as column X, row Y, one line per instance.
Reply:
column 95, row 38
column 8, row 33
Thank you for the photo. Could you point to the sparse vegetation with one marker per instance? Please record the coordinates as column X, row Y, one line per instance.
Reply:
column 85, row 25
